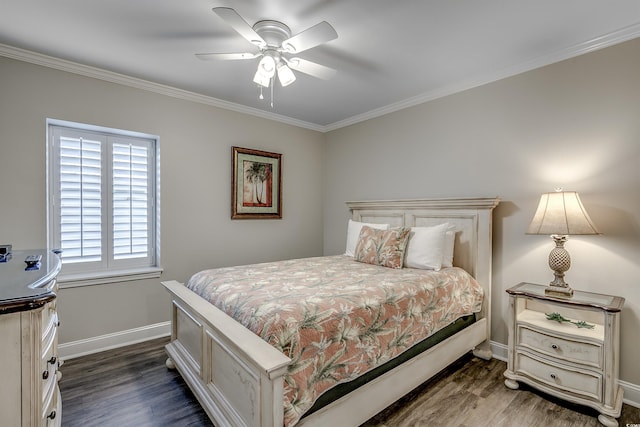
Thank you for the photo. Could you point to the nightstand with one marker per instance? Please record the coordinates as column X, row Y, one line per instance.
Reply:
column 578, row 364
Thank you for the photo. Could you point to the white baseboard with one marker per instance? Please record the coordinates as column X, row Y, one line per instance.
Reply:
column 499, row 351
column 100, row 343
column 631, row 391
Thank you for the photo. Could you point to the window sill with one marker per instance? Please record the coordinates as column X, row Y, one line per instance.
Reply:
column 89, row 279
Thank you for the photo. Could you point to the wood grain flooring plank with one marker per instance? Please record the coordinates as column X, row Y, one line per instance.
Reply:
column 129, row 386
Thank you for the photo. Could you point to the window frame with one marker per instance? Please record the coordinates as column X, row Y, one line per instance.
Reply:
column 108, row 269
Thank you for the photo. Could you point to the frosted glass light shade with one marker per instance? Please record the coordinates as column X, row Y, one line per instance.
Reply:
column 262, row 80
column 285, row 75
column 267, row 66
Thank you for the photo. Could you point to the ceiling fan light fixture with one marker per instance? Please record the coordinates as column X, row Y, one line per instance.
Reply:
column 267, row 66
column 261, row 79
column 285, row 75
column 275, row 43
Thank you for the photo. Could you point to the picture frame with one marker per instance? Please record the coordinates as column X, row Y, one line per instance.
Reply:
column 256, row 184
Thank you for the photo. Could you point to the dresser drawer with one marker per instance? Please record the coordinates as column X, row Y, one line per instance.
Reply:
column 50, row 402
column 581, row 352
column 51, row 415
column 48, row 368
column 49, row 318
column 576, row 381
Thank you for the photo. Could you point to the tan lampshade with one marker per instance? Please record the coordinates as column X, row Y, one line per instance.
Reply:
column 561, row 213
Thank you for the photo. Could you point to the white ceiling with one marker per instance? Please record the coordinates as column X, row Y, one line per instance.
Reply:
column 388, row 54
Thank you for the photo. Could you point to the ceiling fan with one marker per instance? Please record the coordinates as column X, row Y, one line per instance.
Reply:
column 276, row 48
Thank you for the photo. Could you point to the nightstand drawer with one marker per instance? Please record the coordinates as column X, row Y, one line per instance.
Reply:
column 580, row 352
column 577, row 381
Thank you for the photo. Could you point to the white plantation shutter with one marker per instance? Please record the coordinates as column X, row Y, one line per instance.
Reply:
column 130, row 201
column 102, row 210
column 80, row 199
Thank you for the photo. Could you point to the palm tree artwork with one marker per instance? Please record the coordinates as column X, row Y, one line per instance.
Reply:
column 258, row 184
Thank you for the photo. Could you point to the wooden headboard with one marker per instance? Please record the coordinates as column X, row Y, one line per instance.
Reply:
column 471, row 216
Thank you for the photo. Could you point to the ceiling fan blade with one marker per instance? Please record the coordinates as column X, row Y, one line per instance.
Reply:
column 311, row 37
column 240, row 25
column 311, row 68
column 226, row 56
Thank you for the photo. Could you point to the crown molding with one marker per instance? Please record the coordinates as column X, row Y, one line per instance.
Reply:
column 113, row 77
column 610, row 39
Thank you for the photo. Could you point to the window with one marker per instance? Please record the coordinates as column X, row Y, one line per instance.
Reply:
column 102, row 202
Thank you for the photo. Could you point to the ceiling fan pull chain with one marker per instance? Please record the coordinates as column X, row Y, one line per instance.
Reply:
column 273, row 83
column 260, row 97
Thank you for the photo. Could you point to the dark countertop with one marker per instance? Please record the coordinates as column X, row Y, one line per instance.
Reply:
column 22, row 290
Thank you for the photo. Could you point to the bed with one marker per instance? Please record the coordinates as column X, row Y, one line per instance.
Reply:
column 239, row 378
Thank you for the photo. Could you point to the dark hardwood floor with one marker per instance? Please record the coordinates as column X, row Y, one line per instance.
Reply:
column 131, row 386
column 128, row 386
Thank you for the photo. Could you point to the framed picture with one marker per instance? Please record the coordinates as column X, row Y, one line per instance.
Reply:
column 256, row 184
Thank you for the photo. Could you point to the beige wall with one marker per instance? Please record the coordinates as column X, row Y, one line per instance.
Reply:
column 196, row 143
column 575, row 124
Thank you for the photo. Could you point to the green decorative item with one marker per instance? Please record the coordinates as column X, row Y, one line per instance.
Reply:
column 561, row 319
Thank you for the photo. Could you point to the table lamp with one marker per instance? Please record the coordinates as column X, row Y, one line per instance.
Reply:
column 560, row 214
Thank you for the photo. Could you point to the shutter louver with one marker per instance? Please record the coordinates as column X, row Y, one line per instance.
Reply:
column 130, row 201
column 80, row 199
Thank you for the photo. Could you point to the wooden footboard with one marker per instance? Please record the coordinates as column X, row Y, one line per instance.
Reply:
column 236, row 376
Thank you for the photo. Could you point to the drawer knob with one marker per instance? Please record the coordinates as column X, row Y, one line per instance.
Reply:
column 53, row 360
column 45, row 375
column 553, row 346
column 52, row 415
column 553, row 376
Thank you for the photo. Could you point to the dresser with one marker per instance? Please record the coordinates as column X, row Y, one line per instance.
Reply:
column 29, row 394
column 566, row 347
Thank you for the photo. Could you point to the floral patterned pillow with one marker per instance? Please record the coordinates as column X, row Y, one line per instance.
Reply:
column 382, row 247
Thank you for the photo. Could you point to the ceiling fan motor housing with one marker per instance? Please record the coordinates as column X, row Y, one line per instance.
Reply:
column 272, row 32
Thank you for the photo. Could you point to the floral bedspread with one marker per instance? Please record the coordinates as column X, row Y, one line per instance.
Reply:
column 334, row 317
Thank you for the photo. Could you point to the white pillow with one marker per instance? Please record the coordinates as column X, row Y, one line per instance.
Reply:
column 449, row 241
column 353, row 232
column 426, row 247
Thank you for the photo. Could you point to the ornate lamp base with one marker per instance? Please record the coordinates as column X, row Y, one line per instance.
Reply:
column 558, row 291
column 559, row 262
